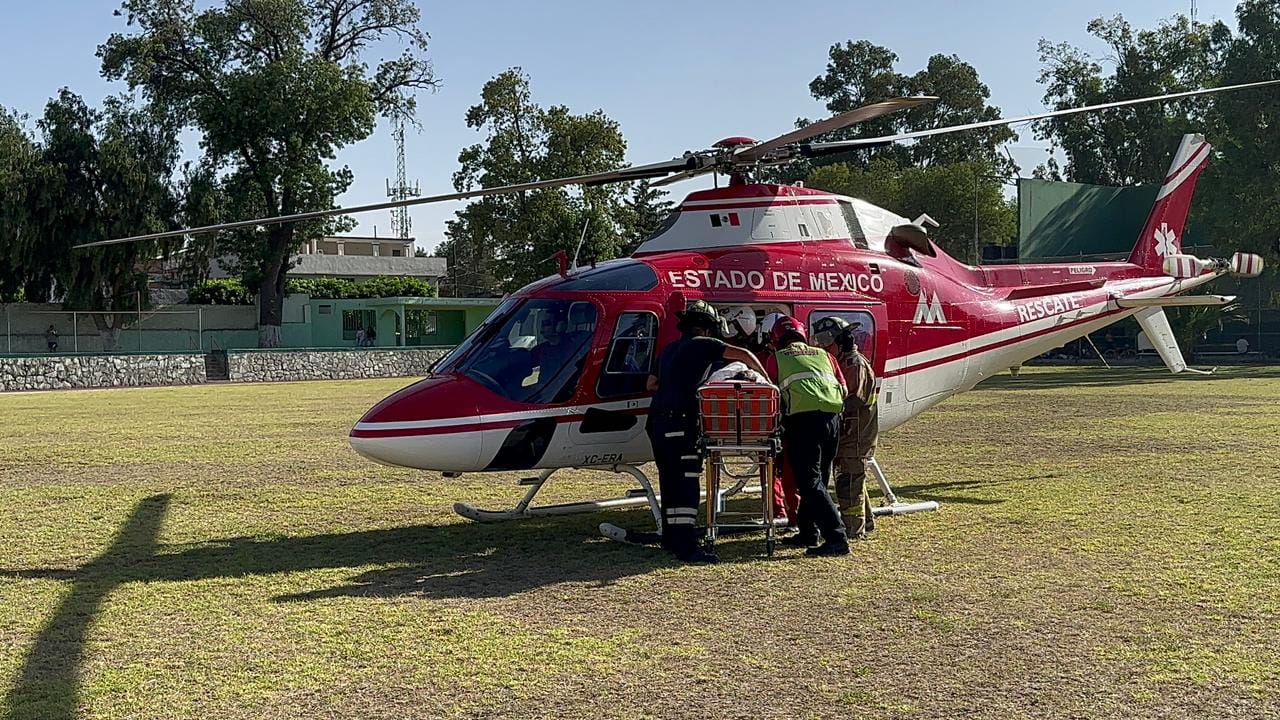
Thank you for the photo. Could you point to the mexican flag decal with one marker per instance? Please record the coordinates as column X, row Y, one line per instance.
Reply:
column 721, row 220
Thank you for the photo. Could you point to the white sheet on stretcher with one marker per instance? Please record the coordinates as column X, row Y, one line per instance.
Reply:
column 737, row 371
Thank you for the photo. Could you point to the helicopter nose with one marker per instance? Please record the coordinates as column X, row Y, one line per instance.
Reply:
column 430, row 425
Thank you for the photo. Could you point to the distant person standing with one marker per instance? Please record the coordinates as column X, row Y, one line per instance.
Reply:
column 370, row 336
column 361, row 335
column 51, row 339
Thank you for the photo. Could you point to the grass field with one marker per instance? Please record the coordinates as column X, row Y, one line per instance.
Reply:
column 1108, row 546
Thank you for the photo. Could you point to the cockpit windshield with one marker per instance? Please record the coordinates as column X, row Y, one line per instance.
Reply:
column 537, row 353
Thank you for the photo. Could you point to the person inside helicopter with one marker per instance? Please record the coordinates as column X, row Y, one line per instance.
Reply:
column 537, row 355
column 742, row 326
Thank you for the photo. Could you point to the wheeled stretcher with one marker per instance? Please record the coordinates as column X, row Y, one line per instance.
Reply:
column 740, row 441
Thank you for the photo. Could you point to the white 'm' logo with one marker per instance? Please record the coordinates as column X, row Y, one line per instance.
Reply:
column 929, row 313
column 1165, row 239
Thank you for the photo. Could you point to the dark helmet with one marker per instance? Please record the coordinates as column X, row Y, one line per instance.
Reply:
column 832, row 330
column 786, row 326
column 699, row 314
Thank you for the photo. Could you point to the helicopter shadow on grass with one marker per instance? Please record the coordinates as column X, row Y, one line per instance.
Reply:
column 1118, row 376
column 949, row 492
column 457, row 560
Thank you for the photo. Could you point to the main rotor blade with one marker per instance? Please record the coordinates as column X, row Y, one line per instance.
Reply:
column 836, row 122
column 682, row 176
column 639, row 172
column 844, row 145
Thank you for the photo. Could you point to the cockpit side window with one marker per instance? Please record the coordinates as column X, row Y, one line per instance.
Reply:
column 538, row 353
column 631, row 355
column 855, row 228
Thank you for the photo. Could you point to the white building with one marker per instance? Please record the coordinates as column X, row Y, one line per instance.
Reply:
column 362, row 246
column 356, row 258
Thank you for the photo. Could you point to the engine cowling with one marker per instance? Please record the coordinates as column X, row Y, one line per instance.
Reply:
column 1246, row 264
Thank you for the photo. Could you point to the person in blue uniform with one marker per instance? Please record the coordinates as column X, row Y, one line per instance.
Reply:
column 673, row 422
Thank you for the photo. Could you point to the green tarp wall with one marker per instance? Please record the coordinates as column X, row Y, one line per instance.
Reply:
column 1061, row 219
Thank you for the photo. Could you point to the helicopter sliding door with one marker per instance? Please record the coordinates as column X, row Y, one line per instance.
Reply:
column 612, row 430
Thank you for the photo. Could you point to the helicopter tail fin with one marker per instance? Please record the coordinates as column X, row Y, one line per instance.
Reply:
column 1162, row 235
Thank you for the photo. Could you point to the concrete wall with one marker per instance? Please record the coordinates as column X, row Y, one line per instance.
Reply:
column 273, row 366
column 53, row 372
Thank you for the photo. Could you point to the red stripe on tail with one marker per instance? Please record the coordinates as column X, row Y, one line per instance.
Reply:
column 1162, row 235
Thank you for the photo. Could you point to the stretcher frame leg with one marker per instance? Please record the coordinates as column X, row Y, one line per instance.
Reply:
column 762, row 458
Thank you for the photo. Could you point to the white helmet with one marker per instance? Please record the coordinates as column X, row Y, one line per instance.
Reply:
column 741, row 318
column 766, row 325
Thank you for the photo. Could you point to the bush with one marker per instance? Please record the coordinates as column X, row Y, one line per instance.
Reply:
column 219, row 292
column 325, row 288
column 379, row 287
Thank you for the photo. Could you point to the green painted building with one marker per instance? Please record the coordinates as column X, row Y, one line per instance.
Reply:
column 397, row 322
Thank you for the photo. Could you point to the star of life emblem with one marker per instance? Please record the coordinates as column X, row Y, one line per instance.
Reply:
column 1165, row 239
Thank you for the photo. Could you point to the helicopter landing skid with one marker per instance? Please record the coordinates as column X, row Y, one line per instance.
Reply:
column 891, row 505
column 643, row 495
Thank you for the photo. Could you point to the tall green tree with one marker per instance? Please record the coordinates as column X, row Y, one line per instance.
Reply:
column 96, row 175
column 947, row 192
column 1235, row 199
column 504, row 242
column 1129, row 146
column 644, row 212
column 946, row 176
column 862, row 72
column 275, row 88
column 20, row 167
column 1238, row 203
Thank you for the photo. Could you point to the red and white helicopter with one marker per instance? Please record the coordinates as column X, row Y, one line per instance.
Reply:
column 555, row 377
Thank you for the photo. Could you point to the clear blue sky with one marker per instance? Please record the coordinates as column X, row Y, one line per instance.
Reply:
column 675, row 75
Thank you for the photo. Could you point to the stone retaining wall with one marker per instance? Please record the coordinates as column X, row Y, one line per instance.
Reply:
column 54, row 372
column 330, row 364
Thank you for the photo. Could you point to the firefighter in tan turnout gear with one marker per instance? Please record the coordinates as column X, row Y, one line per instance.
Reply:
column 859, row 424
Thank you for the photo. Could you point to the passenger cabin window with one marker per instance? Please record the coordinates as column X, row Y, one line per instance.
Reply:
column 631, row 355
column 863, row 334
column 855, row 228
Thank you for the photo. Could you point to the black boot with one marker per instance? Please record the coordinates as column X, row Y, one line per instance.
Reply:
column 700, row 557
column 829, row 548
column 800, row 539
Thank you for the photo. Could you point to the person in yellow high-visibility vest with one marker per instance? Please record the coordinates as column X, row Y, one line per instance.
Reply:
column 813, row 390
column 859, row 425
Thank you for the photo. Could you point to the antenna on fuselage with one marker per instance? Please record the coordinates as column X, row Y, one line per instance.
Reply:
column 573, row 265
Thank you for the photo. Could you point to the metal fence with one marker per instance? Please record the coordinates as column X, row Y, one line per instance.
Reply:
column 32, row 331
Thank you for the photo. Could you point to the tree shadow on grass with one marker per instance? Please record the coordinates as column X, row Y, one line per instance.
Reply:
column 48, row 684
column 460, row 560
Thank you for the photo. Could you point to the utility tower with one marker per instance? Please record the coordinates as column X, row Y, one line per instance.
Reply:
column 401, row 224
